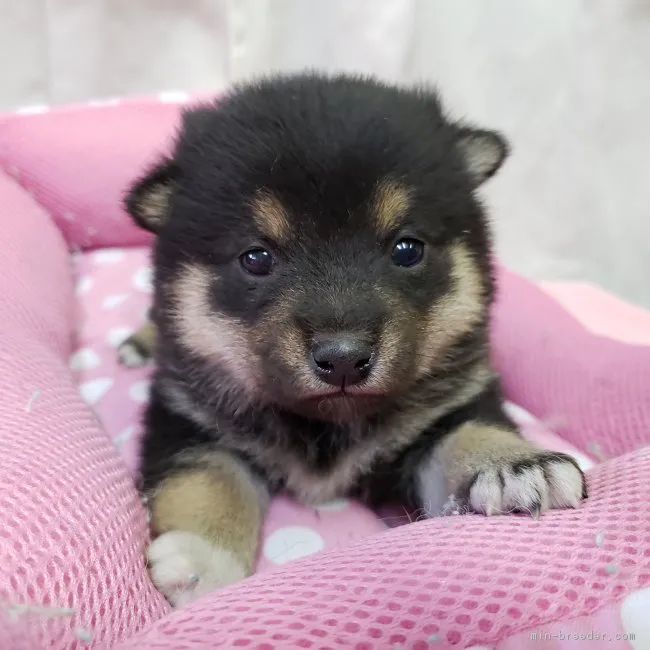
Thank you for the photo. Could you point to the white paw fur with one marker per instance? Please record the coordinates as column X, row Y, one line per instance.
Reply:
column 130, row 356
column 185, row 566
column 544, row 481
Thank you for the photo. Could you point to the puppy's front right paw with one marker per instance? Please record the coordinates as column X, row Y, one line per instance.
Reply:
column 531, row 481
column 185, row 566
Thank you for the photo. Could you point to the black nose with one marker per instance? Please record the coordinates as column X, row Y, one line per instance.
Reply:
column 341, row 359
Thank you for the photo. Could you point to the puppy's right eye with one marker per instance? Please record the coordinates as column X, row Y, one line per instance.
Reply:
column 257, row 261
column 408, row 252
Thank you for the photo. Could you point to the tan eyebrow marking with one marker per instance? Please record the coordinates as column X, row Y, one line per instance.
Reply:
column 271, row 215
column 392, row 201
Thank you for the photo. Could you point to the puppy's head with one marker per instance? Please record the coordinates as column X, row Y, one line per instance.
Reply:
column 320, row 245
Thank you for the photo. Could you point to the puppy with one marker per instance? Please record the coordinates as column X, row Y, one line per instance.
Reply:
column 321, row 306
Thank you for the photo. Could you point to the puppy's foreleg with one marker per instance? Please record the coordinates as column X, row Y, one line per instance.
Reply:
column 482, row 464
column 137, row 349
column 208, row 515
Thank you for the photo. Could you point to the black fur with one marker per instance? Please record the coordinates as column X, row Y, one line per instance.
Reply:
column 320, row 145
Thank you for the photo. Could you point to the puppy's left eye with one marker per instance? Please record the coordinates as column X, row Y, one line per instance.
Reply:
column 407, row 252
column 257, row 261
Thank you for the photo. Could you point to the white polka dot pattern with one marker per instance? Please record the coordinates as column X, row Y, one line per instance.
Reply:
column 84, row 284
column 291, row 543
column 92, row 391
column 142, row 279
column 107, row 256
column 635, row 617
column 139, row 391
column 84, row 359
column 116, row 335
column 110, row 302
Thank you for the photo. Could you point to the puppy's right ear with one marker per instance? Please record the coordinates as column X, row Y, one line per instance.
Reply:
column 148, row 199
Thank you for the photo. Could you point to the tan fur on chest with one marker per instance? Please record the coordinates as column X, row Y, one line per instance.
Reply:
column 312, row 487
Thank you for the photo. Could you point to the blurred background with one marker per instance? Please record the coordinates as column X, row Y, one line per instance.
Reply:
column 567, row 80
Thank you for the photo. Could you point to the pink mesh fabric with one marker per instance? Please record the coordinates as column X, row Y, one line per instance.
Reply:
column 72, row 528
column 449, row 582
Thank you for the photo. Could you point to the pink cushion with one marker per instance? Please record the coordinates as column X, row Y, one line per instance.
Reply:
column 72, row 529
column 457, row 581
column 80, row 181
column 595, row 390
column 601, row 312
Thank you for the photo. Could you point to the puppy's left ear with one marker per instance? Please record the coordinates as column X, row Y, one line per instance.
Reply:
column 148, row 199
column 483, row 152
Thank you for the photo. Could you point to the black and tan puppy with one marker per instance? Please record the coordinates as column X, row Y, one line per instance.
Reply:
column 322, row 291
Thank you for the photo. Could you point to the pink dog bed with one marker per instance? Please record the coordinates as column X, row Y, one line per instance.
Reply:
column 73, row 529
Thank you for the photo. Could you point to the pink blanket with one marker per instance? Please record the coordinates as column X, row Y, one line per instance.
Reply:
column 73, row 529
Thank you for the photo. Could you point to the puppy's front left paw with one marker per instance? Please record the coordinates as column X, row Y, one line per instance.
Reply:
column 530, row 482
column 184, row 566
column 131, row 354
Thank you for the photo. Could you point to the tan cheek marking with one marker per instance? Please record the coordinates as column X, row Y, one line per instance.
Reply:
column 219, row 503
column 395, row 332
column 210, row 335
column 271, row 216
column 457, row 313
column 390, row 344
column 290, row 345
column 391, row 204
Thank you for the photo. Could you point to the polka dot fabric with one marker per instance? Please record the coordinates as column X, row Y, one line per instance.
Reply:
column 72, row 529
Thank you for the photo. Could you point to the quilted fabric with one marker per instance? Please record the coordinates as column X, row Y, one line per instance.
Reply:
column 72, row 529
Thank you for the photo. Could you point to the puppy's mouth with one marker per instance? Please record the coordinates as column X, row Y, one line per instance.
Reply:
column 341, row 404
column 343, row 393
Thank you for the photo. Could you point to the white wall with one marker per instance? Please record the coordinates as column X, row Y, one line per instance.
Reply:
column 567, row 80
